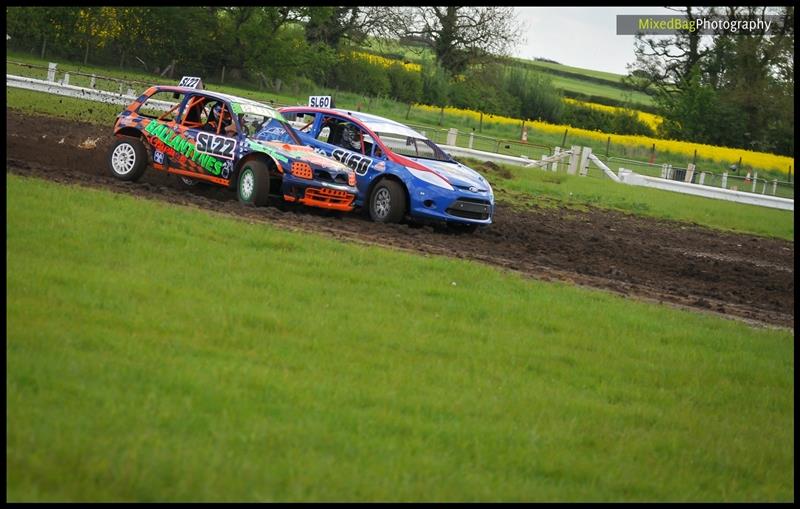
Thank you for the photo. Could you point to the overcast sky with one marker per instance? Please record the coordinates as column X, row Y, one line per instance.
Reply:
column 579, row 36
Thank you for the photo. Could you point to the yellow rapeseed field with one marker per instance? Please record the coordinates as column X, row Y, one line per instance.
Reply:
column 386, row 62
column 650, row 119
column 687, row 148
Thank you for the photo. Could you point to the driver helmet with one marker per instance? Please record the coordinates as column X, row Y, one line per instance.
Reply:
column 350, row 137
column 216, row 112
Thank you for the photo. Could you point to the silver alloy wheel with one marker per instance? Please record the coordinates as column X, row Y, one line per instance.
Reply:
column 247, row 184
column 123, row 159
column 383, row 203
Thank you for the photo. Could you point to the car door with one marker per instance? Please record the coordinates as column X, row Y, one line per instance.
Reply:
column 329, row 136
column 212, row 151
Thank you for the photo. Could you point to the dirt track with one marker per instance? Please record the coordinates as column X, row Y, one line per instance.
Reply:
column 741, row 276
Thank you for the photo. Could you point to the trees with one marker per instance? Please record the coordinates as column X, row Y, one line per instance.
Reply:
column 730, row 88
column 458, row 36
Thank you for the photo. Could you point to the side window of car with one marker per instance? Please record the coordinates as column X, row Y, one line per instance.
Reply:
column 195, row 115
column 328, row 131
column 162, row 105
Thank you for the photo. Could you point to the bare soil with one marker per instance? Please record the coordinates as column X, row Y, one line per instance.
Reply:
column 740, row 276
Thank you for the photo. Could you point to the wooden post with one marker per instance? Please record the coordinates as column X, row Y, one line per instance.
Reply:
column 664, row 171
column 608, row 144
column 585, row 153
column 408, row 111
column 755, row 180
column 65, row 80
column 222, row 76
column 522, row 134
column 441, row 115
column 480, row 124
column 564, row 140
column 573, row 160
column 471, row 137
column 554, row 166
column 774, row 186
column 93, row 81
column 653, row 154
column 702, row 177
column 694, row 157
column 725, row 180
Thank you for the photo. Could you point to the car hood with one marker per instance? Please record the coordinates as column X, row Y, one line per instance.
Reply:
column 298, row 152
column 456, row 173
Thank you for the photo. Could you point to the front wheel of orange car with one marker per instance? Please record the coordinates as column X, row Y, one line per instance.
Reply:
column 127, row 159
column 252, row 187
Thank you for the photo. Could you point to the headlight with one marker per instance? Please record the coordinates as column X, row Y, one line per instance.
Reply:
column 302, row 170
column 430, row 178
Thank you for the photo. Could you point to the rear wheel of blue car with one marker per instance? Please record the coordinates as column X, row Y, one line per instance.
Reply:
column 387, row 203
column 127, row 159
column 253, row 184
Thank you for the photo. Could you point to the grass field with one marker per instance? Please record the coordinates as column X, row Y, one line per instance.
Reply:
column 157, row 352
column 543, row 188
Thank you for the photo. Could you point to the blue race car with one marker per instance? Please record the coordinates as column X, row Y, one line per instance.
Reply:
column 398, row 170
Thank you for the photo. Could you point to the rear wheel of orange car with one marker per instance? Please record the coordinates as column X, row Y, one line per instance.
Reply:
column 253, row 184
column 127, row 159
column 387, row 203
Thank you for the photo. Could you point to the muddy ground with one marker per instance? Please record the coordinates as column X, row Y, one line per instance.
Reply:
column 739, row 276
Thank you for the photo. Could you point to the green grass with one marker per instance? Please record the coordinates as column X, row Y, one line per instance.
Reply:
column 157, row 352
column 532, row 186
column 378, row 106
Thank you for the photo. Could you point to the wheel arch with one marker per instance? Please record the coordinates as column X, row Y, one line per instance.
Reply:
column 271, row 162
column 395, row 178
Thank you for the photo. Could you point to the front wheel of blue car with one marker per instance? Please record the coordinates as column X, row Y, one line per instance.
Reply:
column 387, row 203
column 253, row 184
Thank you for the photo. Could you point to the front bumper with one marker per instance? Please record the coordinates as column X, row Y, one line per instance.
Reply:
column 451, row 206
column 318, row 194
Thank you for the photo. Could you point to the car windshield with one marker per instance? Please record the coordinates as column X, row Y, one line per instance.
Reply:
column 413, row 147
column 271, row 129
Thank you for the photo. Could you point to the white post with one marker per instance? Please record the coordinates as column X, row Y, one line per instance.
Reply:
column 669, row 171
column 689, row 172
column 120, row 89
column 471, row 137
column 51, row 71
column 554, row 166
column 585, row 153
column 774, row 186
column 544, row 162
column 65, row 81
column 725, row 180
column 131, row 92
column 664, row 171
column 93, row 81
column 702, row 177
column 573, row 160
column 452, row 133
column 755, row 180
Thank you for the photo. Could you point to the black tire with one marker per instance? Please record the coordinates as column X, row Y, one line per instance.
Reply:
column 127, row 159
column 252, row 187
column 387, row 203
